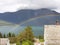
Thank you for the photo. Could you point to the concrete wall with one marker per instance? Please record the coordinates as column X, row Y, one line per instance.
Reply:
column 4, row 41
column 52, row 35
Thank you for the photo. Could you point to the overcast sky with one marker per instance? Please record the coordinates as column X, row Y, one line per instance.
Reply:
column 15, row 5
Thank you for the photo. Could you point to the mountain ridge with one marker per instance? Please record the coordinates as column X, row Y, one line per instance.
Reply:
column 23, row 15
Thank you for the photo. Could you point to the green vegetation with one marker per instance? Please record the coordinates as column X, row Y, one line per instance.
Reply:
column 41, row 40
column 27, row 42
column 25, row 37
column 1, row 35
column 27, row 34
column 4, row 36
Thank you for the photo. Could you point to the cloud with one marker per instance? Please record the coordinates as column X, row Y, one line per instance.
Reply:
column 15, row 5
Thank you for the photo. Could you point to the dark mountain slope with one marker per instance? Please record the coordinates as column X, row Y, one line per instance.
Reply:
column 23, row 15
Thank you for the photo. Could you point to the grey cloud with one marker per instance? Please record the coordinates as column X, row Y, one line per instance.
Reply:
column 15, row 5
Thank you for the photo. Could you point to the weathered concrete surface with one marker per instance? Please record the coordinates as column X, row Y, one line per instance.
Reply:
column 52, row 35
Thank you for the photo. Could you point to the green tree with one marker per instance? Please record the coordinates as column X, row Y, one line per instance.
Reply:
column 41, row 37
column 13, row 35
column 12, row 39
column 9, row 34
column 27, row 34
column 0, row 35
column 4, row 36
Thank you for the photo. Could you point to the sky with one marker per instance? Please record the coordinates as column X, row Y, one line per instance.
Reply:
column 15, row 5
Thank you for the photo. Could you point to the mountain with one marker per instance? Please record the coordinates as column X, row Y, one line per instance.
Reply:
column 42, row 20
column 23, row 15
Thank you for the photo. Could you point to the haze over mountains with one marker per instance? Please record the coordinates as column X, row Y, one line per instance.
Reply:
column 35, row 18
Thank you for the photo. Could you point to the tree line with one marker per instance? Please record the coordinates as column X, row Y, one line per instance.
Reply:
column 7, row 35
